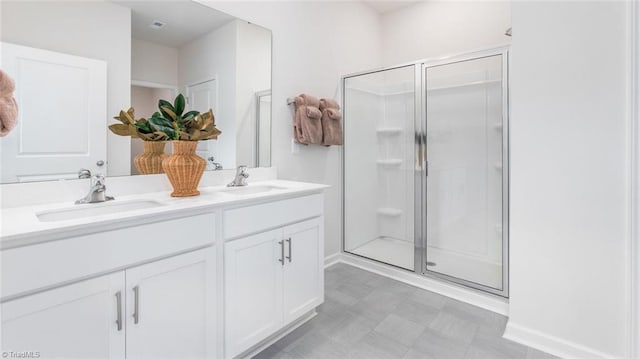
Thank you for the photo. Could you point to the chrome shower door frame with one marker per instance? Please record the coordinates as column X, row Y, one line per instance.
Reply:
column 422, row 248
column 421, row 165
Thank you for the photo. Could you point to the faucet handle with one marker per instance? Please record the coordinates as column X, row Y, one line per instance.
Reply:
column 84, row 173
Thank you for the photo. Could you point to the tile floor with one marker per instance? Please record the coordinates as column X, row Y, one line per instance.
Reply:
column 367, row 316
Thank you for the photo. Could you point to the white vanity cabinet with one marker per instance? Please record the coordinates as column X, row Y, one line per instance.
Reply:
column 73, row 321
column 162, row 308
column 170, row 307
column 151, row 286
column 275, row 276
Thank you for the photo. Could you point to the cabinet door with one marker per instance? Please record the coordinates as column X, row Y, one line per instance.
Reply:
column 304, row 268
column 253, row 290
column 73, row 321
column 171, row 307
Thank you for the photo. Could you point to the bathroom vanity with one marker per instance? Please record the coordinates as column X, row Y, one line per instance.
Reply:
column 147, row 275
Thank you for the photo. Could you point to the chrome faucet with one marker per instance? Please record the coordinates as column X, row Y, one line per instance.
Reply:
column 212, row 165
column 241, row 177
column 96, row 191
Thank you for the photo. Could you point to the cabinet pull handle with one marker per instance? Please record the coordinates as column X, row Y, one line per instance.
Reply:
column 136, row 304
column 289, row 242
column 281, row 260
column 119, row 310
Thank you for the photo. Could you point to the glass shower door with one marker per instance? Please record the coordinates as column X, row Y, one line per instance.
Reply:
column 464, row 185
column 379, row 165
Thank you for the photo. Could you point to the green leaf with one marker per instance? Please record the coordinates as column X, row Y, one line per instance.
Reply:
column 144, row 127
column 190, row 114
column 179, row 105
column 166, row 108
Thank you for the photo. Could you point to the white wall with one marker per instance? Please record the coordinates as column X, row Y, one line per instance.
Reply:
column 314, row 43
column 213, row 56
column 569, row 279
column 439, row 28
column 151, row 62
column 98, row 30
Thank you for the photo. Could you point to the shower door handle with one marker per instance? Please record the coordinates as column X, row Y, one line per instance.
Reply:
column 426, row 168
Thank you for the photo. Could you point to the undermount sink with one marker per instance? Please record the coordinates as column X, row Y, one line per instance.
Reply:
column 241, row 191
column 95, row 209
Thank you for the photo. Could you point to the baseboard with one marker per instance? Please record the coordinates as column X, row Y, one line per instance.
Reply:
column 486, row 301
column 550, row 344
column 332, row 259
column 250, row 353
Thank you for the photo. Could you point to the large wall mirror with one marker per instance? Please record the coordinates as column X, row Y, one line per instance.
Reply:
column 77, row 64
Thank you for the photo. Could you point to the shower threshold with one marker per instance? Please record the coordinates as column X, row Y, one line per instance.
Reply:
column 394, row 251
column 400, row 253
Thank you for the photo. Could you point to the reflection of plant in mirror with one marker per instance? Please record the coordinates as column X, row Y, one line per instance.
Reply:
column 168, row 124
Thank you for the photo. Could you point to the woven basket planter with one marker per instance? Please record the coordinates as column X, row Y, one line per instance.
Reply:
column 150, row 160
column 184, row 168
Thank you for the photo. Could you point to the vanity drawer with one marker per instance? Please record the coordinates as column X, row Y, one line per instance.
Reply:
column 34, row 267
column 242, row 221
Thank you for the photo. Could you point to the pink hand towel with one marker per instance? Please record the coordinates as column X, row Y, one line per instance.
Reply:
column 331, row 122
column 8, row 105
column 307, row 120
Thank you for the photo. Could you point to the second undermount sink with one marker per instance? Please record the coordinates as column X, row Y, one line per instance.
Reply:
column 95, row 209
column 249, row 189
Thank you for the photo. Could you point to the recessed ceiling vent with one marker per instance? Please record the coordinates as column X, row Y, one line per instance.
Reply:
column 157, row 24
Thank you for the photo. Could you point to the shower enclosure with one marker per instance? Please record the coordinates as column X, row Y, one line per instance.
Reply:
column 426, row 168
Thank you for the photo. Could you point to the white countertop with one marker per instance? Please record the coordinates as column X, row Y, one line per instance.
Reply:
column 21, row 226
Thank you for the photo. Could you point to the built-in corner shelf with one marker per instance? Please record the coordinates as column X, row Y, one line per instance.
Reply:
column 389, row 131
column 391, row 212
column 392, row 162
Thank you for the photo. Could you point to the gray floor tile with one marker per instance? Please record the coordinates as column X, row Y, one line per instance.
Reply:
column 429, row 298
column 476, row 315
column 416, row 312
column 355, row 290
column 377, row 346
column 340, row 297
column 316, row 345
column 454, row 327
column 351, row 329
column 487, row 341
column 273, row 352
column 368, row 316
column 400, row 329
column 434, row 345
column 537, row 354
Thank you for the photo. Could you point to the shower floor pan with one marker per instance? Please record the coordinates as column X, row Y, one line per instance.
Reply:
column 400, row 253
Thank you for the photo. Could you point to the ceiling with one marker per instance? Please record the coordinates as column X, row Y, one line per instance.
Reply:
column 184, row 20
column 387, row 6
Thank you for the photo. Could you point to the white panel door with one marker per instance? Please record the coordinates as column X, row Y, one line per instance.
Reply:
column 303, row 281
column 62, row 107
column 202, row 97
column 253, row 290
column 169, row 305
column 74, row 321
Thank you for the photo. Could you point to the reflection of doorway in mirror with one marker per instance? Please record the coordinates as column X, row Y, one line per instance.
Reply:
column 202, row 97
column 144, row 99
column 263, row 128
column 62, row 115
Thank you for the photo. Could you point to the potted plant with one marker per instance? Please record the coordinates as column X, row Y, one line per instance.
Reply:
column 184, row 167
column 150, row 160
